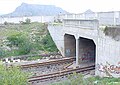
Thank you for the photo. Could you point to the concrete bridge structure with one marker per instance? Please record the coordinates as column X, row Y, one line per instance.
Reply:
column 105, row 18
column 85, row 40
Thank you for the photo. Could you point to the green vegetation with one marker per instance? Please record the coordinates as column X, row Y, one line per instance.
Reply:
column 34, row 58
column 48, row 44
column 20, row 42
column 113, row 32
column 78, row 79
column 27, row 21
column 27, row 38
column 12, row 76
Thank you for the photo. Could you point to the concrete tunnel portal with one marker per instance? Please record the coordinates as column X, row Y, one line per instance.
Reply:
column 86, row 49
column 70, row 45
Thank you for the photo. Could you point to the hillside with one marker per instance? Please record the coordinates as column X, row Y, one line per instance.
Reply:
column 22, row 39
column 35, row 10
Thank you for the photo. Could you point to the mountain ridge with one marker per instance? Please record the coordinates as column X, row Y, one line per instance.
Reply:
column 35, row 10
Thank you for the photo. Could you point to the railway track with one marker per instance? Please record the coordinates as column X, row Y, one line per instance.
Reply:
column 47, row 67
column 55, row 61
column 47, row 77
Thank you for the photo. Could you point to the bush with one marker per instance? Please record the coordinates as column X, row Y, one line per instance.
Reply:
column 48, row 44
column 12, row 76
column 21, row 42
column 27, row 21
column 5, row 23
column 2, row 52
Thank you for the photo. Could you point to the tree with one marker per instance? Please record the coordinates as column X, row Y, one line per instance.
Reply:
column 27, row 21
column 5, row 23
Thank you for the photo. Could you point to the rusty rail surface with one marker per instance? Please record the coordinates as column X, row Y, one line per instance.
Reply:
column 60, row 73
column 58, row 61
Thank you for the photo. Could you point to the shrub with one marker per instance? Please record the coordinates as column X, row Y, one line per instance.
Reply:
column 21, row 42
column 2, row 52
column 5, row 23
column 27, row 21
column 12, row 76
column 48, row 44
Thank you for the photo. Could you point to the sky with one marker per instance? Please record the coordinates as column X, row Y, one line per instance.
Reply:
column 72, row 6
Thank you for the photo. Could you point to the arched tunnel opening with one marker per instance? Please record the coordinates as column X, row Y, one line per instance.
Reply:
column 86, row 49
column 70, row 45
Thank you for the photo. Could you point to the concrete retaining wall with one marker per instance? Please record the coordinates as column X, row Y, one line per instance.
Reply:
column 58, row 37
column 108, row 60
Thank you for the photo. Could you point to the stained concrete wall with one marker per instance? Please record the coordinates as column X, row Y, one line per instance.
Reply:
column 69, row 45
column 87, row 50
column 58, row 37
column 108, row 60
